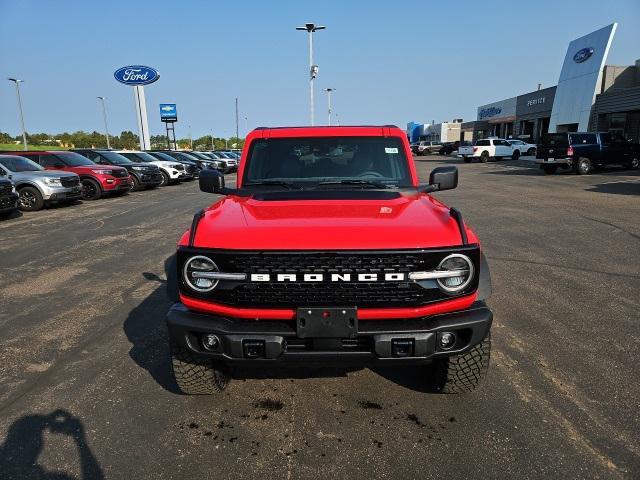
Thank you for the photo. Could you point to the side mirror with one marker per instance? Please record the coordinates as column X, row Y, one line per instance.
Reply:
column 211, row 181
column 444, row 178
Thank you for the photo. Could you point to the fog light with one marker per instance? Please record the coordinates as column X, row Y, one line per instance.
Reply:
column 110, row 181
column 210, row 342
column 447, row 340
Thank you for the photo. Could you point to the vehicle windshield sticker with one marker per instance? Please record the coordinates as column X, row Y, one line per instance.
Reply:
column 390, row 150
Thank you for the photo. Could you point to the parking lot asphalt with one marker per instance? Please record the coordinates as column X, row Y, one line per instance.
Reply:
column 85, row 383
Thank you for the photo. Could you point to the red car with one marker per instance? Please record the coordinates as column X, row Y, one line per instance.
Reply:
column 97, row 180
column 329, row 252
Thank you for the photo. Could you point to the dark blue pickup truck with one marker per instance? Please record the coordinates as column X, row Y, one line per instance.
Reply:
column 584, row 152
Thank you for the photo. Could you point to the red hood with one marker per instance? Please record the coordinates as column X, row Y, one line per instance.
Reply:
column 405, row 222
column 92, row 169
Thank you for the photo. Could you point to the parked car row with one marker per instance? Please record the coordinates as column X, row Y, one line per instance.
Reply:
column 29, row 180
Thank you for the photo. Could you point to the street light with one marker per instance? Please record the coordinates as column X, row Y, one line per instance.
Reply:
column 329, row 90
column 104, row 117
column 17, row 81
column 313, row 69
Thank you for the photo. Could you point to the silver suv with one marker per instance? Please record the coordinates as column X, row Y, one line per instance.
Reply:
column 37, row 186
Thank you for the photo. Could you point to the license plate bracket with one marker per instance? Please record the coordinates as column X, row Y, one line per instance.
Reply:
column 327, row 322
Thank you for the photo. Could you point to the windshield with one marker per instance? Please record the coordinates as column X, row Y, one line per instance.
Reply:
column 140, row 157
column 301, row 161
column 116, row 158
column 73, row 159
column 199, row 155
column 185, row 157
column 162, row 156
column 20, row 164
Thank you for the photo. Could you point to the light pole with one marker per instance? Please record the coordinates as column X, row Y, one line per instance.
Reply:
column 104, row 117
column 17, row 81
column 329, row 90
column 190, row 139
column 313, row 69
column 213, row 147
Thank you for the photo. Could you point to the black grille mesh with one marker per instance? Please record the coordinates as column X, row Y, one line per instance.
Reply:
column 70, row 181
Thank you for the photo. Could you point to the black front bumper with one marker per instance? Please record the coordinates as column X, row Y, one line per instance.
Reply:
column 8, row 203
column 378, row 342
column 149, row 179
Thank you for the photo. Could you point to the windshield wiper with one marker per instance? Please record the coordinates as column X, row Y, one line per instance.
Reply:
column 280, row 183
column 363, row 183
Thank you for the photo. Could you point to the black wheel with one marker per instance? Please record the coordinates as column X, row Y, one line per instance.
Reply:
column 90, row 189
column 584, row 166
column 30, row 199
column 515, row 155
column 484, row 157
column 165, row 179
column 135, row 184
column 461, row 373
column 550, row 169
column 466, row 159
column 197, row 375
column 633, row 163
column 531, row 151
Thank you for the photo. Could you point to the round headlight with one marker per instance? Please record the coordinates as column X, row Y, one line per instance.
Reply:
column 195, row 272
column 461, row 268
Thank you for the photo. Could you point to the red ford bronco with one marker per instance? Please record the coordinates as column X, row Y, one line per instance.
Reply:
column 329, row 253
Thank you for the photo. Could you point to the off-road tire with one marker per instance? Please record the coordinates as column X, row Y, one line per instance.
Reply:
column 462, row 373
column 30, row 199
column 197, row 375
column 484, row 157
column 550, row 169
column 584, row 166
column 516, row 155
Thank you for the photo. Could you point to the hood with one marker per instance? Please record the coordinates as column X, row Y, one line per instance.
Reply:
column 43, row 174
column 405, row 222
column 149, row 165
column 90, row 168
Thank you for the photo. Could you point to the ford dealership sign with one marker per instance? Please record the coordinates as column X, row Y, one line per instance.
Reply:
column 136, row 75
column 583, row 55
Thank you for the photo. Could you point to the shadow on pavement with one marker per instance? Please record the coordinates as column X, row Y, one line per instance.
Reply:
column 618, row 188
column 20, row 451
column 146, row 330
column 11, row 215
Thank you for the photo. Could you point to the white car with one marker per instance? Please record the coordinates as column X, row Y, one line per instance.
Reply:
column 487, row 148
column 171, row 170
column 522, row 147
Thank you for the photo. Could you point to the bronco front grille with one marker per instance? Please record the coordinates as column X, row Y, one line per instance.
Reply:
column 293, row 294
column 70, row 181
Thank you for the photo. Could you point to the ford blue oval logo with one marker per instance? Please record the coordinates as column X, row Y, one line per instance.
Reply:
column 136, row 75
column 583, row 55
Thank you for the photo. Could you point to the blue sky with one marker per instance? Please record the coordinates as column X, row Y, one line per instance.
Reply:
column 391, row 62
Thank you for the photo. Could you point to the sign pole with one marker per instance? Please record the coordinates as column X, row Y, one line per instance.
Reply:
column 143, row 124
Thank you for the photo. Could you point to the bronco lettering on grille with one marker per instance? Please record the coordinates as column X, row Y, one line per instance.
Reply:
column 334, row 277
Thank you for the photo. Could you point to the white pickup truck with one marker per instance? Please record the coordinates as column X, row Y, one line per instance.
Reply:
column 485, row 149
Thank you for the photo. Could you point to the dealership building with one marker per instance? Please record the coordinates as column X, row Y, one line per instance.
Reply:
column 590, row 96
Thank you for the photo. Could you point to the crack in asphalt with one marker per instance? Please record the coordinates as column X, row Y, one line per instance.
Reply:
column 564, row 267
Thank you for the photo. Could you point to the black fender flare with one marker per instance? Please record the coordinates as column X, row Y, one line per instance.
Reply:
column 484, row 280
column 171, row 274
